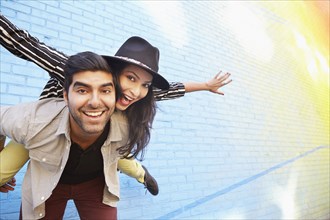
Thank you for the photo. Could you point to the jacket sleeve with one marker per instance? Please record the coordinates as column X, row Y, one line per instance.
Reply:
column 23, row 45
column 14, row 122
column 176, row 90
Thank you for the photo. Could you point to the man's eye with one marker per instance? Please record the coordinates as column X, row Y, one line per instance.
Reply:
column 82, row 91
column 107, row 91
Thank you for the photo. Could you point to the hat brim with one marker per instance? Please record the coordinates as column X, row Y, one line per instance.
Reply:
column 157, row 81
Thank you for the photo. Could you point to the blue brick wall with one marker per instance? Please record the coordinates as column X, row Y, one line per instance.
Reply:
column 259, row 152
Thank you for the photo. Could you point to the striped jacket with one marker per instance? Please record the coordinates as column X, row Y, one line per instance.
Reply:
column 20, row 43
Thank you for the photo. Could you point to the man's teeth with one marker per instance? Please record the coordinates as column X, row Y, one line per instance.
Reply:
column 93, row 114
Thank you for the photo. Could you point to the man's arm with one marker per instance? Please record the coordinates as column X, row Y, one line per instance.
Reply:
column 14, row 124
column 16, row 121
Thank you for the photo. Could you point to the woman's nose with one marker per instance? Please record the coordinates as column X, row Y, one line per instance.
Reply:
column 135, row 91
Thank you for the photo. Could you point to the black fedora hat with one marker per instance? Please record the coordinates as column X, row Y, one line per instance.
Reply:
column 139, row 52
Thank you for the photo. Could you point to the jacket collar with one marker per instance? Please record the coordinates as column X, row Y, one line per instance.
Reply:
column 116, row 126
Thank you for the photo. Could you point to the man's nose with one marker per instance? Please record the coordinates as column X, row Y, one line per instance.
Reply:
column 94, row 100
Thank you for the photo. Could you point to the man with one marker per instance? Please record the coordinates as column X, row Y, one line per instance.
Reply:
column 54, row 131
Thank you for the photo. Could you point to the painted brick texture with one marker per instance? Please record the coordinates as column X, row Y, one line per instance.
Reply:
column 261, row 151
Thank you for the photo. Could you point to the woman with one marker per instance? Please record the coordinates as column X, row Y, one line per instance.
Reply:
column 27, row 47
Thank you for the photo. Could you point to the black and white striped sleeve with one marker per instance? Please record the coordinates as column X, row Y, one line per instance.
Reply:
column 176, row 90
column 53, row 89
column 23, row 45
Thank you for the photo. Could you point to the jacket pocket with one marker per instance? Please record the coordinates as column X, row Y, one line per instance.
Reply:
column 49, row 161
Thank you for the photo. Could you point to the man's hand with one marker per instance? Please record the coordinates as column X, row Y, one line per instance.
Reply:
column 9, row 186
column 220, row 80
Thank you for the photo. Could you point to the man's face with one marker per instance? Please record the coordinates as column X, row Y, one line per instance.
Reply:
column 91, row 101
column 135, row 83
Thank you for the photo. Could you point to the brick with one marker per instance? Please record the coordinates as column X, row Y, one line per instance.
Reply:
column 16, row 6
column 82, row 19
column 28, row 91
column 10, row 13
column 70, row 38
column 87, row 35
column 36, row 81
column 26, row 71
column 92, row 44
column 35, row 4
column 57, row 11
column 44, row 32
column 3, row 87
column 68, row 6
column 8, row 99
column 5, row 67
column 31, row 19
column 9, row 78
column 56, row 26
column 37, row 12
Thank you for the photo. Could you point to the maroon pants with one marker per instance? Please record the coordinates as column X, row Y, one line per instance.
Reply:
column 87, row 197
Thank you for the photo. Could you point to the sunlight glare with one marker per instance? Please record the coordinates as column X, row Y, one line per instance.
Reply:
column 323, row 63
column 169, row 16
column 285, row 197
column 315, row 62
column 249, row 31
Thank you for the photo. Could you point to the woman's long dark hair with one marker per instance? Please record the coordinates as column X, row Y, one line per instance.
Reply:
column 140, row 116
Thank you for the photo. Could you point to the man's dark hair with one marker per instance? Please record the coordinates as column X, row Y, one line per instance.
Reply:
column 85, row 61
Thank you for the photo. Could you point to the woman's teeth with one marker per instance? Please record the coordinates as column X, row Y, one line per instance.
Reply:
column 127, row 98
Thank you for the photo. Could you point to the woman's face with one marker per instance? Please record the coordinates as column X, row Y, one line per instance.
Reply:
column 135, row 83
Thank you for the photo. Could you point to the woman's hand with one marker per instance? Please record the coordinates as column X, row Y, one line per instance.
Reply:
column 9, row 186
column 218, row 81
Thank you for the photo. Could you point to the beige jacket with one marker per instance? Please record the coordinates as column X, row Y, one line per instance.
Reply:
column 43, row 127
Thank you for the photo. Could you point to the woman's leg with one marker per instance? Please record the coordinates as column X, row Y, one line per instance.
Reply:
column 12, row 159
column 132, row 168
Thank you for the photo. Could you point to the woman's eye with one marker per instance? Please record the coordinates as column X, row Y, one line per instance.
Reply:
column 147, row 86
column 131, row 78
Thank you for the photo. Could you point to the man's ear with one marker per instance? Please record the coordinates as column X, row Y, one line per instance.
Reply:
column 65, row 96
